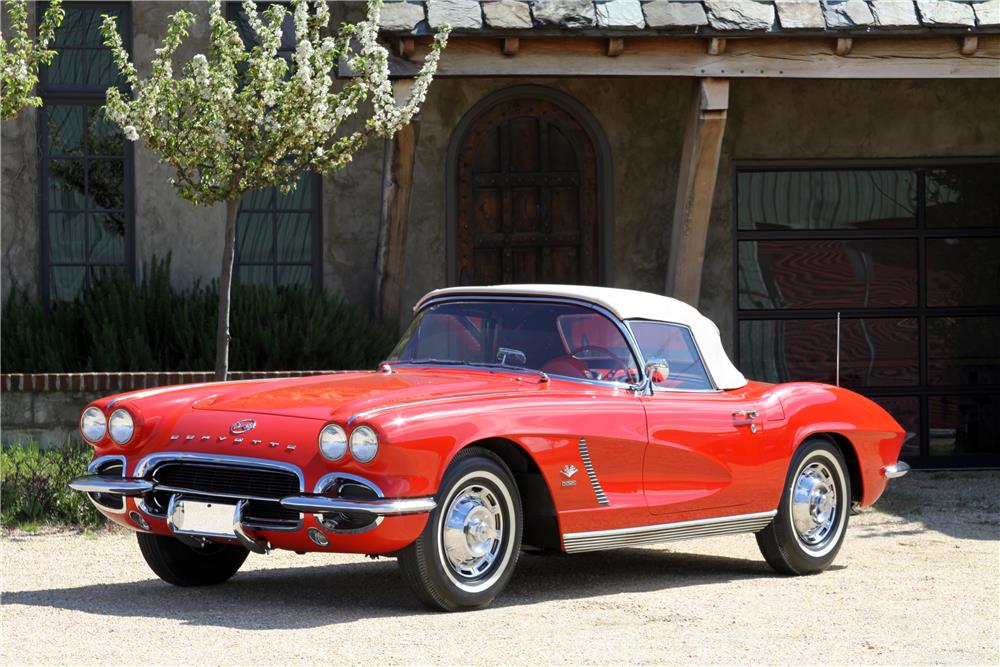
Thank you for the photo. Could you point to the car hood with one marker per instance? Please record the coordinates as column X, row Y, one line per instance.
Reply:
column 341, row 395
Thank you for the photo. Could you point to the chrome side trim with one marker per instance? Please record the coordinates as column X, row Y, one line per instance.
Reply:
column 94, row 466
column 382, row 507
column 591, row 473
column 896, row 470
column 666, row 532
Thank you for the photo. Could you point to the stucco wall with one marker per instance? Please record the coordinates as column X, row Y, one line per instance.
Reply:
column 19, row 203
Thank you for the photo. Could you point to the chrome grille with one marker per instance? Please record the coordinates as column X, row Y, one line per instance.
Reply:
column 263, row 487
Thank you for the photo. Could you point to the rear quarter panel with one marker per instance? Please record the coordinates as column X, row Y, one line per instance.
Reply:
column 875, row 437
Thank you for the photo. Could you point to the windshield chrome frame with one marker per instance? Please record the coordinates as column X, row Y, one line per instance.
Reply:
column 701, row 357
column 640, row 386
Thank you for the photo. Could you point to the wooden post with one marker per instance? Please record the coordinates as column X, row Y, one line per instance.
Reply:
column 397, row 184
column 699, row 167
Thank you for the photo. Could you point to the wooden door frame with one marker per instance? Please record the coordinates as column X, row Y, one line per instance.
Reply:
column 602, row 152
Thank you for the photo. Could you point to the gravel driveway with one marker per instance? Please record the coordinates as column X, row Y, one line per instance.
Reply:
column 918, row 581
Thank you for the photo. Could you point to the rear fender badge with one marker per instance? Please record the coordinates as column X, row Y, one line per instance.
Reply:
column 568, row 471
column 242, row 426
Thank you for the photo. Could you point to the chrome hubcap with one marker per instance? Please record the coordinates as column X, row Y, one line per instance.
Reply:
column 473, row 531
column 814, row 504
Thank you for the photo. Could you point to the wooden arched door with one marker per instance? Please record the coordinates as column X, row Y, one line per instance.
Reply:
column 527, row 190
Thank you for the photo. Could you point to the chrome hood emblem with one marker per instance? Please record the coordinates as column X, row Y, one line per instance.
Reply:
column 242, row 426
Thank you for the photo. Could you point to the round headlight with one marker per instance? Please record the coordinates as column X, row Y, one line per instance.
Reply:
column 364, row 444
column 333, row 442
column 93, row 425
column 121, row 426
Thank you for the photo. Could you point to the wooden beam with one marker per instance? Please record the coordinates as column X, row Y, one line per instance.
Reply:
column 917, row 57
column 615, row 46
column 397, row 186
column 844, row 46
column 511, row 45
column 405, row 47
column 716, row 46
column 699, row 167
column 970, row 43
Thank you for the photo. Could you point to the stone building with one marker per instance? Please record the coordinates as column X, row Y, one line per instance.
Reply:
column 774, row 163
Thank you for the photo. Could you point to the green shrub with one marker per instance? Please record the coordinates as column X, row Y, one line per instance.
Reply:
column 33, row 486
column 117, row 325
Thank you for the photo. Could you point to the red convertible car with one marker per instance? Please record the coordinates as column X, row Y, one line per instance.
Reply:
column 520, row 416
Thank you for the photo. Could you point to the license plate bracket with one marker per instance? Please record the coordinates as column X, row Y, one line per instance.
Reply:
column 204, row 518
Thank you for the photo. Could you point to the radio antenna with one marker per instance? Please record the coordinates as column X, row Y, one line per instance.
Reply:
column 838, row 350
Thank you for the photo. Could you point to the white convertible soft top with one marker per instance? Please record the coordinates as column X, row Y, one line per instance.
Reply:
column 628, row 305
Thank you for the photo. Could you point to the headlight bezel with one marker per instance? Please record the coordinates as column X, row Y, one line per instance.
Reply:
column 371, row 436
column 131, row 427
column 104, row 424
column 333, row 428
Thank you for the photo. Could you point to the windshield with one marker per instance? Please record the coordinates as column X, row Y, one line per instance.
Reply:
column 556, row 339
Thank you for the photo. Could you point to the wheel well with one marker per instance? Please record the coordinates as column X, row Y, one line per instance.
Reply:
column 851, row 458
column 541, row 528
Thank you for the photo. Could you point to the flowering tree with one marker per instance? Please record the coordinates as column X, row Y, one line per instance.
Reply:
column 236, row 119
column 21, row 55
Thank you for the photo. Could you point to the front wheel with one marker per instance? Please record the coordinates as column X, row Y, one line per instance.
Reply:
column 809, row 528
column 469, row 548
column 178, row 564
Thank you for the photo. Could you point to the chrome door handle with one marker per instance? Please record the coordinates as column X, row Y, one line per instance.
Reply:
column 746, row 414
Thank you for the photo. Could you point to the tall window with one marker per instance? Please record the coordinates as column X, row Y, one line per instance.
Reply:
column 278, row 234
column 910, row 258
column 86, row 172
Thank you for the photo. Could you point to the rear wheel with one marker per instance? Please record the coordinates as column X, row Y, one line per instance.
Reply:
column 809, row 528
column 469, row 548
column 178, row 564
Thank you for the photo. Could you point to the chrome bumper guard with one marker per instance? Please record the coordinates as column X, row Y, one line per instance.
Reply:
column 897, row 469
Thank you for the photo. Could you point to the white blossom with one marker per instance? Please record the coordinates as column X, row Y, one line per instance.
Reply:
column 131, row 133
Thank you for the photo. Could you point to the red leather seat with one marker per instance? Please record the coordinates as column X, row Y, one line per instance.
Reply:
column 567, row 365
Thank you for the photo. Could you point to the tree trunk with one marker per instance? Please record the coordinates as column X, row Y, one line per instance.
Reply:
column 225, row 289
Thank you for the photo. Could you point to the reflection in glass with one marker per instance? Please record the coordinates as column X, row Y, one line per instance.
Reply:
column 67, row 237
column 963, row 350
column 968, row 424
column 275, row 232
column 294, row 274
column 67, row 184
column 65, row 282
column 107, row 238
column 65, row 128
column 254, row 238
column 964, row 196
column 963, row 271
column 292, row 237
column 873, row 352
column 856, row 273
column 845, row 199
column 906, row 411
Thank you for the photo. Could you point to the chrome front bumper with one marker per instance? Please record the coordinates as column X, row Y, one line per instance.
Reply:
column 302, row 503
column 897, row 469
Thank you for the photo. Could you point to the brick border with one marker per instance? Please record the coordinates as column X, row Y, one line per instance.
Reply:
column 122, row 381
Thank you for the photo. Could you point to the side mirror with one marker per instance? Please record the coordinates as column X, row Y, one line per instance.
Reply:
column 657, row 370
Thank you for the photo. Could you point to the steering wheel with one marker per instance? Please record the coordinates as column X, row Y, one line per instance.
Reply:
column 604, row 353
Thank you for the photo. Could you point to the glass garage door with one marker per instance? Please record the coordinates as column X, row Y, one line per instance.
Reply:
column 910, row 258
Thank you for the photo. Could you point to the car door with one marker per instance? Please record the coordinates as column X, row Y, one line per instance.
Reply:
column 700, row 457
